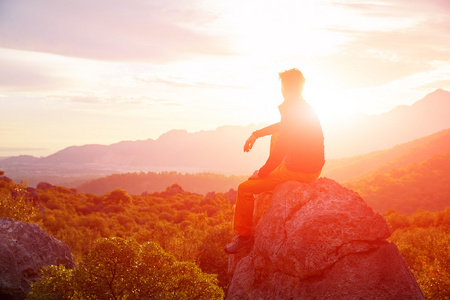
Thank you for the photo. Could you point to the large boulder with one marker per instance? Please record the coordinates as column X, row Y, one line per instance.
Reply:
column 319, row 241
column 24, row 249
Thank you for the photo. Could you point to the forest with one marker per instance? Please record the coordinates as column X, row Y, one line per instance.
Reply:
column 187, row 232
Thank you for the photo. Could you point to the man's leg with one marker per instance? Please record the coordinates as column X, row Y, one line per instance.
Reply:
column 243, row 215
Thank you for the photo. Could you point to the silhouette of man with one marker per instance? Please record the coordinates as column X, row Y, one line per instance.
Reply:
column 296, row 154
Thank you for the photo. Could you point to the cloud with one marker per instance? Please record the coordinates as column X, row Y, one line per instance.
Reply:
column 86, row 100
column 21, row 149
column 94, row 103
column 175, row 82
column 115, row 30
column 430, row 6
column 396, row 7
column 398, row 39
column 17, row 76
column 444, row 83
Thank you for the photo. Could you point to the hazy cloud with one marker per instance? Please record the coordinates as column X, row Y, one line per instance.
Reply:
column 435, row 85
column 182, row 83
column 154, row 31
column 81, row 101
column 396, row 7
column 21, row 149
column 376, row 55
column 18, row 76
column 87, row 100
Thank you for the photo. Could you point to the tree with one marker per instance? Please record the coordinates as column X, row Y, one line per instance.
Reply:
column 118, row 196
column 14, row 202
column 212, row 258
column 56, row 284
column 123, row 269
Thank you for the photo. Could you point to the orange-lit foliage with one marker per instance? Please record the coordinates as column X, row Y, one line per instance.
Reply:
column 424, row 241
column 423, row 185
column 182, row 223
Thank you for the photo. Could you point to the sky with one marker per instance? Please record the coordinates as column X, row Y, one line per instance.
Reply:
column 75, row 72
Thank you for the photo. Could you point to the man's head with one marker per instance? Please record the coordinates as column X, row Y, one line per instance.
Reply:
column 292, row 82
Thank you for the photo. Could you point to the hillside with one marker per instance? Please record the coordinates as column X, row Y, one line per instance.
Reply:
column 423, row 185
column 400, row 156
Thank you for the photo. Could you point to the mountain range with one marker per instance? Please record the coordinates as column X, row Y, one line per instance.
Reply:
column 363, row 134
column 220, row 150
column 406, row 177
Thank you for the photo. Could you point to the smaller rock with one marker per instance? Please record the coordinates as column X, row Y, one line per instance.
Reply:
column 5, row 179
column 24, row 249
column 44, row 186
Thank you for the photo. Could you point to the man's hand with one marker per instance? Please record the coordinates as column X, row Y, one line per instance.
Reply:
column 249, row 143
column 254, row 176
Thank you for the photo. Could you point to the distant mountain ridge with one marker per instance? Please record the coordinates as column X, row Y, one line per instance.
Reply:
column 220, row 150
column 366, row 133
column 361, row 168
column 174, row 150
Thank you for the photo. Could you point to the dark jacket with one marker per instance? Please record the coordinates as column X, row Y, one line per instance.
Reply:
column 300, row 142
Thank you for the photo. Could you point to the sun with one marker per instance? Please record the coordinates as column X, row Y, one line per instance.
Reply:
column 330, row 105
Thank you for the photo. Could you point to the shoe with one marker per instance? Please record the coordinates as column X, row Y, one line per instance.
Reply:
column 238, row 243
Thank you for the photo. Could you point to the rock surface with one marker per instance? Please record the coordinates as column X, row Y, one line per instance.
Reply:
column 24, row 249
column 319, row 241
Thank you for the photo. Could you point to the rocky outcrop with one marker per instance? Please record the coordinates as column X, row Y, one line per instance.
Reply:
column 319, row 241
column 24, row 249
column 44, row 186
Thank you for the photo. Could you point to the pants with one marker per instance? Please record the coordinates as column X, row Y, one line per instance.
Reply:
column 243, row 214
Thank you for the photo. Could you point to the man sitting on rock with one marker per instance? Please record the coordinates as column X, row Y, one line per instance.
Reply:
column 296, row 154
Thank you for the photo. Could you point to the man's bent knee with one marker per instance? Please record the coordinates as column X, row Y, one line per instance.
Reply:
column 244, row 186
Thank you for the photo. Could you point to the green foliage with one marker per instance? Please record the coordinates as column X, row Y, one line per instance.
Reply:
column 212, row 258
column 57, row 283
column 14, row 202
column 123, row 269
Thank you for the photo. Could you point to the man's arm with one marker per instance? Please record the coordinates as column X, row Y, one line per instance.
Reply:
column 268, row 130
column 276, row 156
column 286, row 127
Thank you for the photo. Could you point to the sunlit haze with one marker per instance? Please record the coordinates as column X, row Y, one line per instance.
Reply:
column 79, row 72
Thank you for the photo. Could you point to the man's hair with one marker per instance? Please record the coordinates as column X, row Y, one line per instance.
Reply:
column 292, row 79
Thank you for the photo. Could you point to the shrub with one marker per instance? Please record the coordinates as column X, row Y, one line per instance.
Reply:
column 14, row 203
